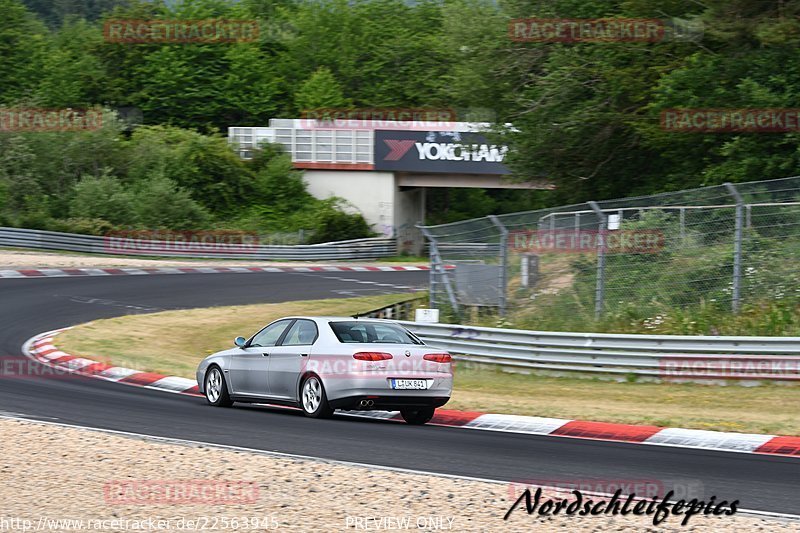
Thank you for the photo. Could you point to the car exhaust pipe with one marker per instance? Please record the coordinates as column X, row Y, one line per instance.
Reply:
column 366, row 403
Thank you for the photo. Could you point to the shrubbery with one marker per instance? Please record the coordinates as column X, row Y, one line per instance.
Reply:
column 159, row 178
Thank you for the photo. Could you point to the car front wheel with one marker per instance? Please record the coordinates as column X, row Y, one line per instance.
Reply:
column 418, row 416
column 313, row 399
column 216, row 389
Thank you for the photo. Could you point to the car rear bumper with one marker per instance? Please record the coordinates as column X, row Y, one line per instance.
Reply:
column 387, row 402
column 348, row 393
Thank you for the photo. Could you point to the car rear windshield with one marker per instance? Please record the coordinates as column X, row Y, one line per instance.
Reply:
column 362, row 332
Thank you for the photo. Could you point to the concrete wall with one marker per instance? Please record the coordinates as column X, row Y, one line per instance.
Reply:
column 409, row 211
column 371, row 193
column 390, row 212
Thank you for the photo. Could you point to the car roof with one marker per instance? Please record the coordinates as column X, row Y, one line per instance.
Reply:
column 338, row 319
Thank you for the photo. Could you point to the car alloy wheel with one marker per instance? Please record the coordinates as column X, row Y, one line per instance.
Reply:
column 313, row 399
column 215, row 388
column 213, row 385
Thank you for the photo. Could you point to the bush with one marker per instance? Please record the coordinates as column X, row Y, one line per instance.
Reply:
column 332, row 224
column 84, row 226
column 278, row 185
column 204, row 165
column 160, row 203
column 103, row 197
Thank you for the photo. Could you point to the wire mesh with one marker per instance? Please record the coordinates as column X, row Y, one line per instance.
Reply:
column 631, row 258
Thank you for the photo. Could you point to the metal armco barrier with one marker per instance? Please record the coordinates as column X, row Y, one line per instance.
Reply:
column 398, row 311
column 52, row 240
column 693, row 358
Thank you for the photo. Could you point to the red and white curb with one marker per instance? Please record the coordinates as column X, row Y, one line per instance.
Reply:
column 41, row 348
column 78, row 272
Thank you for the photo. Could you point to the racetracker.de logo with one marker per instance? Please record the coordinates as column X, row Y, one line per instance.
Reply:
column 587, row 241
column 371, row 363
column 602, row 30
column 132, row 31
column 386, row 118
column 23, row 368
column 764, row 367
column 33, row 119
column 717, row 120
column 180, row 491
column 178, row 242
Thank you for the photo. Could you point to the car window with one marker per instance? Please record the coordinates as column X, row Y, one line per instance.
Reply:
column 362, row 332
column 302, row 333
column 269, row 335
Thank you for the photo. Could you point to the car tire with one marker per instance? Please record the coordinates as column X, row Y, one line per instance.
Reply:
column 418, row 416
column 216, row 389
column 313, row 400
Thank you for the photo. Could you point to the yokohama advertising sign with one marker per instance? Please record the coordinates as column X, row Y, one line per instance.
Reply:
column 449, row 152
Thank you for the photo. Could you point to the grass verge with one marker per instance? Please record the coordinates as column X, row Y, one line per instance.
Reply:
column 761, row 409
column 173, row 342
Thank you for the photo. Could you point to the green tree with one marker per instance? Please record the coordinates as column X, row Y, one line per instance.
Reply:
column 17, row 180
column 319, row 91
column 280, row 186
column 73, row 74
column 23, row 40
column 203, row 165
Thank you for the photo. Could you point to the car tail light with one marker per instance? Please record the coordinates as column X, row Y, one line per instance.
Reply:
column 438, row 357
column 372, row 356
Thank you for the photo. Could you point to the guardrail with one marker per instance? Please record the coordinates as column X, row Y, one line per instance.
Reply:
column 397, row 311
column 674, row 357
column 52, row 240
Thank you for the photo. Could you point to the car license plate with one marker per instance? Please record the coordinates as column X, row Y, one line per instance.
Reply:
column 410, row 384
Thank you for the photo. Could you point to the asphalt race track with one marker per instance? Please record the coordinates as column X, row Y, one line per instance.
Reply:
column 30, row 306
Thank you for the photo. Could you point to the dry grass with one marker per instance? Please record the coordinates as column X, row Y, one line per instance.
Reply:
column 174, row 342
column 761, row 409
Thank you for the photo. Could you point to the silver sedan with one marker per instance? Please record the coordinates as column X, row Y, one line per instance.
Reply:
column 325, row 363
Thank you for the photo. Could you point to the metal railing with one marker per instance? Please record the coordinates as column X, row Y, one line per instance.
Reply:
column 51, row 240
column 396, row 311
column 679, row 357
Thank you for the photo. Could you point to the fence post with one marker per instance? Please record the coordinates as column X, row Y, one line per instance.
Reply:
column 437, row 269
column 737, row 247
column 503, row 257
column 600, row 288
column 432, row 253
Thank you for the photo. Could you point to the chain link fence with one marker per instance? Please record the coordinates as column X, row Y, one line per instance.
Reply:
column 575, row 266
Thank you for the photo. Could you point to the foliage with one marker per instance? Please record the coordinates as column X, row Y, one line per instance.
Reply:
column 161, row 203
column 103, row 197
column 585, row 115
column 320, row 91
column 332, row 222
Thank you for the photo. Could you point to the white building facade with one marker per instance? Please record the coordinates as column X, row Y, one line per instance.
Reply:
column 383, row 173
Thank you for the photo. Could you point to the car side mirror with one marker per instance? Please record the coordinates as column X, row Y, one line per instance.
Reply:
column 240, row 342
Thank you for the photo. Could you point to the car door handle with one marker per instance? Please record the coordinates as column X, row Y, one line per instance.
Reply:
column 303, row 355
column 265, row 354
